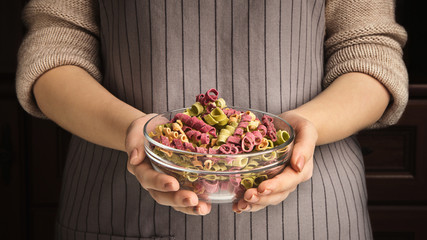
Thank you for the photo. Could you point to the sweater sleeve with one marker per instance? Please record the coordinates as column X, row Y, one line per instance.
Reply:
column 362, row 36
column 60, row 32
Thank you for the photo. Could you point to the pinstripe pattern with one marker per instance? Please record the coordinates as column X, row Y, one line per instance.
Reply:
column 158, row 55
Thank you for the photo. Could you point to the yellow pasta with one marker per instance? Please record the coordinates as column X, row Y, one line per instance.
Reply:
column 197, row 164
column 183, row 137
column 263, row 145
column 270, row 144
column 207, row 165
column 167, row 131
column 220, row 102
column 166, row 152
column 269, row 156
column 235, row 118
column 192, row 177
column 252, row 163
column 179, row 123
column 178, row 128
column 253, row 125
column 253, row 116
column 216, row 167
column 242, row 162
column 211, row 177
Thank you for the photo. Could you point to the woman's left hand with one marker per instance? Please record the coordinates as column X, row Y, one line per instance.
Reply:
column 277, row 189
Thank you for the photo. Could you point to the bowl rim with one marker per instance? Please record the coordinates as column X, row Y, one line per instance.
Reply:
column 243, row 155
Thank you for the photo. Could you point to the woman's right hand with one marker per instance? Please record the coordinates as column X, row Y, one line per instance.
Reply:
column 164, row 189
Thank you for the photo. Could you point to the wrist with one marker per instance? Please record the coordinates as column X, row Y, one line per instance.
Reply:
column 300, row 122
column 135, row 130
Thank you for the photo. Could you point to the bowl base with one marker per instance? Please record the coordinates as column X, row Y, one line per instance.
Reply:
column 220, row 198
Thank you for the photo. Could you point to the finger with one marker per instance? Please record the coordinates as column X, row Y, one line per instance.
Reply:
column 134, row 142
column 305, row 142
column 133, row 160
column 203, row 208
column 151, row 179
column 137, row 155
column 272, row 199
column 244, row 206
column 181, row 198
column 255, row 197
column 241, row 206
column 285, row 181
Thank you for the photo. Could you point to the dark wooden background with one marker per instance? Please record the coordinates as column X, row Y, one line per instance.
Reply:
column 32, row 150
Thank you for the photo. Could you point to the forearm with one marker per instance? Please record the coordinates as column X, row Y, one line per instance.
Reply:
column 351, row 103
column 69, row 96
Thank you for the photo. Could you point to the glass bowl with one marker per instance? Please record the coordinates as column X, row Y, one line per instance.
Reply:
column 228, row 183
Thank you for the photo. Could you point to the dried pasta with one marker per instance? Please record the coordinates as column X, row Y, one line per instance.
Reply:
column 209, row 126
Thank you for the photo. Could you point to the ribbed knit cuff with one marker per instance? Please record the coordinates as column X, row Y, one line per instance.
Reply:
column 48, row 48
column 382, row 63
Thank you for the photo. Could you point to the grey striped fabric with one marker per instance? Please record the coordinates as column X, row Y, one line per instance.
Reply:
column 157, row 56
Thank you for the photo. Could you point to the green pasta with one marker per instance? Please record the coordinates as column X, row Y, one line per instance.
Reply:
column 209, row 119
column 219, row 116
column 259, row 179
column 208, row 136
column 223, row 135
column 282, row 137
column 247, row 182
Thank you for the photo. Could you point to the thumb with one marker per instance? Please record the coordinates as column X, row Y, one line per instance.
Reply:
column 305, row 142
column 135, row 140
column 134, row 157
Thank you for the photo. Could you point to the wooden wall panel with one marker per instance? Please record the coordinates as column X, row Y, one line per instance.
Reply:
column 399, row 222
column 13, row 210
column 395, row 158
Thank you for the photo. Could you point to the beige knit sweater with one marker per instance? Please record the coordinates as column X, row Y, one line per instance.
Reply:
column 361, row 36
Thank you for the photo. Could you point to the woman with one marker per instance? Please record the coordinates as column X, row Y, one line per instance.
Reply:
column 101, row 68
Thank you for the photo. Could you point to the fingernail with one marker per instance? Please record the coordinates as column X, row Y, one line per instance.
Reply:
column 243, row 207
column 196, row 209
column 187, row 202
column 254, row 198
column 168, row 186
column 265, row 192
column 134, row 157
column 300, row 163
column 247, row 207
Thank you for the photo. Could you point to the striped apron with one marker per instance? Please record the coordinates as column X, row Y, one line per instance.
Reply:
column 157, row 55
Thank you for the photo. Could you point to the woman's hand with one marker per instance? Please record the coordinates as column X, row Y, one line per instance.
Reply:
column 164, row 189
column 277, row 189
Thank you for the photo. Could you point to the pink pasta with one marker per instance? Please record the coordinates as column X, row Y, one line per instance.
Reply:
column 234, row 139
column 164, row 140
column 262, row 129
column 204, row 138
column 189, row 146
column 257, row 137
column 177, row 143
column 210, row 186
